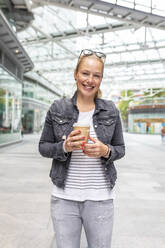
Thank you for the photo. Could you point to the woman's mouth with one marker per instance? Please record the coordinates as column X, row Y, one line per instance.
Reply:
column 87, row 87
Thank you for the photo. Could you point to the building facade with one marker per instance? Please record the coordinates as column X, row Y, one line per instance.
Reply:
column 147, row 117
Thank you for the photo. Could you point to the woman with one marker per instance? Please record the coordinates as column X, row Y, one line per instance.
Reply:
column 163, row 134
column 83, row 178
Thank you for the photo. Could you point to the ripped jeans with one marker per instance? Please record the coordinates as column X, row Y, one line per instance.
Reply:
column 95, row 216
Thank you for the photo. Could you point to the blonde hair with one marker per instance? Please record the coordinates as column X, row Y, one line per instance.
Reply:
column 98, row 93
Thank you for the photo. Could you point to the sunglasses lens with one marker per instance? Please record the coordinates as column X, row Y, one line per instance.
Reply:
column 100, row 55
column 87, row 52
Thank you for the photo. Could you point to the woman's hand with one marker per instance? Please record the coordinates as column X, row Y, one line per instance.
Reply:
column 96, row 150
column 74, row 141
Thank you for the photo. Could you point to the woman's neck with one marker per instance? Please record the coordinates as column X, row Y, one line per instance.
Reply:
column 85, row 104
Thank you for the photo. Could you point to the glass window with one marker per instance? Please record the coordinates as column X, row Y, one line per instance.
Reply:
column 35, row 91
column 10, row 103
column 28, row 89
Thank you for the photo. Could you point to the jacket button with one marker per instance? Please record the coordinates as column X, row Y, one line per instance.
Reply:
column 106, row 169
column 95, row 126
column 60, row 120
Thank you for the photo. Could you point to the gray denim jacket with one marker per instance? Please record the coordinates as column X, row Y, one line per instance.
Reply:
column 59, row 123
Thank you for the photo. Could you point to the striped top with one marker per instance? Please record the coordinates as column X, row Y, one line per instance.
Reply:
column 86, row 178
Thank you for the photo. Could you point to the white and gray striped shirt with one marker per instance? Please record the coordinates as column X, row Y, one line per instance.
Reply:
column 86, row 178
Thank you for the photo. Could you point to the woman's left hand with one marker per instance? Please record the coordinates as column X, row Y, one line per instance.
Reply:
column 96, row 150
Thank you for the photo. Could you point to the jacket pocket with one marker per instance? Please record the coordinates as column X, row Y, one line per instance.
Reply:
column 106, row 129
column 60, row 120
column 60, row 126
column 106, row 122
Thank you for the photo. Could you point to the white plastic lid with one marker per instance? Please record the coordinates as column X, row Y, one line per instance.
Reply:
column 81, row 124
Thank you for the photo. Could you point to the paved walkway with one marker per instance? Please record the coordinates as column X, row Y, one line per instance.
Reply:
column 25, row 191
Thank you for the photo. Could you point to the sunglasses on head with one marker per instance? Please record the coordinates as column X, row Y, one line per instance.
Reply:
column 88, row 52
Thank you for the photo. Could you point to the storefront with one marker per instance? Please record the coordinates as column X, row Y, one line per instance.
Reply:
column 36, row 99
column 14, row 62
column 10, row 107
column 146, row 119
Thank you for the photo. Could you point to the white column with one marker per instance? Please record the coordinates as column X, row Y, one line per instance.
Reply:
column 13, row 114
column 6, row 119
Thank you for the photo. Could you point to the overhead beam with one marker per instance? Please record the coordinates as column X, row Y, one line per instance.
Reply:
column 105, row 9
column 18, row 12
column 28, row 4
column 68, row 34
column 58, row 43
column 118, row 76
column 42, row 59
column 117, row 64
column 139, row 62
column 135, row 81
column 66, row 49
column 135, row 85
column 11, row 45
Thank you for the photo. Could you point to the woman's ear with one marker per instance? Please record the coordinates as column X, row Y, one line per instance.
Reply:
column 75, row 75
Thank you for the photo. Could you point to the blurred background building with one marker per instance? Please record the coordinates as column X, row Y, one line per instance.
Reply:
column 40, row 42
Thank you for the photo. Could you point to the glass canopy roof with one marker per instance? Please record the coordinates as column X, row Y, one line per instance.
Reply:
column 135, row 51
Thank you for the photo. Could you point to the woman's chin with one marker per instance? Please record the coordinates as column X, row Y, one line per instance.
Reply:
column 89, row 93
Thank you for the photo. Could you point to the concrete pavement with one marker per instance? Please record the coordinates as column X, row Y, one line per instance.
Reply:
column 25, row 190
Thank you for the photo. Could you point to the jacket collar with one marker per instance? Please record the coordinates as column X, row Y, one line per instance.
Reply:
column 100, row 104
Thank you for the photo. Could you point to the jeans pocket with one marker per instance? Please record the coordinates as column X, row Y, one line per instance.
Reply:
column 54, row 199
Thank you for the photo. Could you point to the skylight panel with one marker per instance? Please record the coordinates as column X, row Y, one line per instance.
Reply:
column 128, row 4
column 127, row 57
column 143, row 7
column 115, row 58
column 124, row 48
column 152, row 54
column 162, row 52
column 158, row 7
column 158, row 33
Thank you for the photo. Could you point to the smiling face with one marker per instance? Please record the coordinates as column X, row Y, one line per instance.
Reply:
column 88, row 76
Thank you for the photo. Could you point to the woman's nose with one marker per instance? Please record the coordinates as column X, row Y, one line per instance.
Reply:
column 90, row 78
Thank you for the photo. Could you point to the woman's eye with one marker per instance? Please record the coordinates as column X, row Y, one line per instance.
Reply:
column 97, row 76
column 85, row 73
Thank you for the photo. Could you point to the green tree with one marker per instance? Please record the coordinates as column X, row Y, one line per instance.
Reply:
column 124, row 105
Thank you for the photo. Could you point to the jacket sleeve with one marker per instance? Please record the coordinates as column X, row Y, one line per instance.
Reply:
column 117, row 147
column 48, row 147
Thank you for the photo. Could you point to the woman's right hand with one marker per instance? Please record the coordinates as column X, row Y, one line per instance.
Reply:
column 74, row 141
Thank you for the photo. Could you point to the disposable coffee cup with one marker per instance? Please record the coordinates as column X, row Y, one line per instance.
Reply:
column 84, row 128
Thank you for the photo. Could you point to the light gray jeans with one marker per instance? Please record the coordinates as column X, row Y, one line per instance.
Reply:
column 95, row 216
